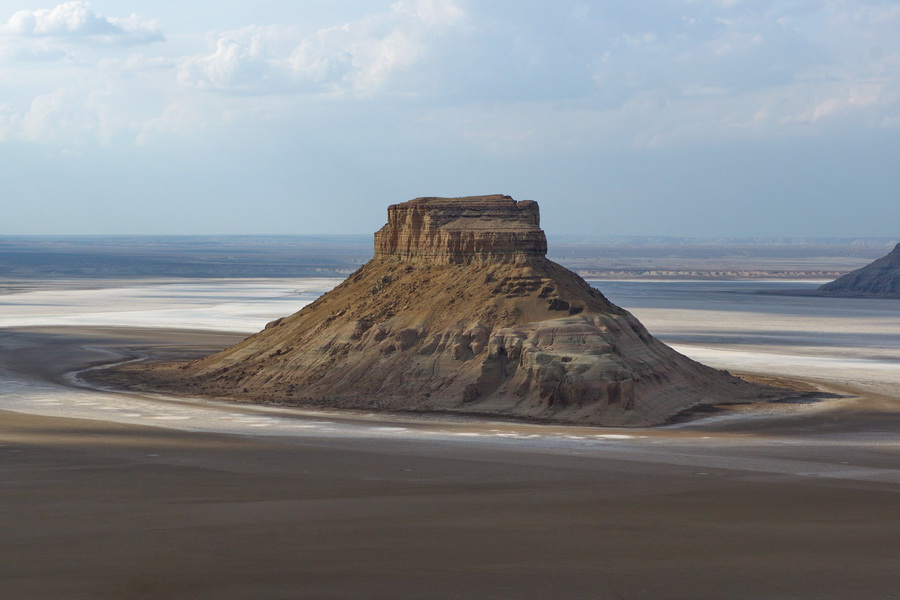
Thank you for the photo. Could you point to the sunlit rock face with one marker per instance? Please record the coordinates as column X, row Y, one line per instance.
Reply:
column 462, row 230
column 879, row 279
column 460, row 311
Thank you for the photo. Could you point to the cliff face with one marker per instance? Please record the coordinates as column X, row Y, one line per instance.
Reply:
column 880, row 279
column 461, row 311
column 462, row 231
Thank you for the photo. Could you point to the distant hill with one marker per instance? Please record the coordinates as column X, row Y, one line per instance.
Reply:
column 880, row 279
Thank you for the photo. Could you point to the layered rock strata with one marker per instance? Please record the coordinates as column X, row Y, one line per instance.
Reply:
column 879, row 279
column 461, row 311
column 477, row 229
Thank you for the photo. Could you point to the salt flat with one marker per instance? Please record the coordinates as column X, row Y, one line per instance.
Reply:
column 243, row 305
column 729, row 325
column 746, row 327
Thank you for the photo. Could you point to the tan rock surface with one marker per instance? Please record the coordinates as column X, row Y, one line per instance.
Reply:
column 460, row 311
column 462, row 230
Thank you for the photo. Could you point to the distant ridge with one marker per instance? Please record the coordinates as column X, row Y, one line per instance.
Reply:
column 224, row 256
column 663, row 240
column 880, row 279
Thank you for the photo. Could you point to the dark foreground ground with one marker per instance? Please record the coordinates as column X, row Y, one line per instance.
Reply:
column 98, row 510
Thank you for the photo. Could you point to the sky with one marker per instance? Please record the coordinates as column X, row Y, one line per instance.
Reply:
column 701, row 118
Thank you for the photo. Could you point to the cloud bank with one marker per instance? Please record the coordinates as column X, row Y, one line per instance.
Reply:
column 77, row 21
column 381, row 53
column 637, row 100
column 683, row 70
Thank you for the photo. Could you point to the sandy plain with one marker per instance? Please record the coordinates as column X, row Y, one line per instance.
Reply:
column 180, row 498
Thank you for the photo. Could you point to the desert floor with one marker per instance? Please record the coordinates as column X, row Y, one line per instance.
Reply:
column 223, row 502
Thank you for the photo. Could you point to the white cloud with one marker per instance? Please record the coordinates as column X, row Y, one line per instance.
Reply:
column 252, row 59
column 77, row 21
column 321, row 62
column 363, row 57
column 57, row 117
column 540, row 79
column 431, row 13
column 111, row 101
column 769, row 69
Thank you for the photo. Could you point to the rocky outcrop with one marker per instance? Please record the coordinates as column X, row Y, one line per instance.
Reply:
column 880, row 279
column 461, row 311
column 462, row 230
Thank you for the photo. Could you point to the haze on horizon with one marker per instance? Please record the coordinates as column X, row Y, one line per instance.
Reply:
column 673, row 117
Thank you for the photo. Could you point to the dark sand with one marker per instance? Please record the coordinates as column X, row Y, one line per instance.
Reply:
column 93, row 509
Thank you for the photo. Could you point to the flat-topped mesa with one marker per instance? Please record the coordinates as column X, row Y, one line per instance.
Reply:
column 461, row 311
column 462, row 230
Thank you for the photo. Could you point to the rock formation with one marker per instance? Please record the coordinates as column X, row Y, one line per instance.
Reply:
column 880, row 279
column 460, row 311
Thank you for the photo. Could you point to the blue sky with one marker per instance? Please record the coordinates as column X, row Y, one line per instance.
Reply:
column 672, row 117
